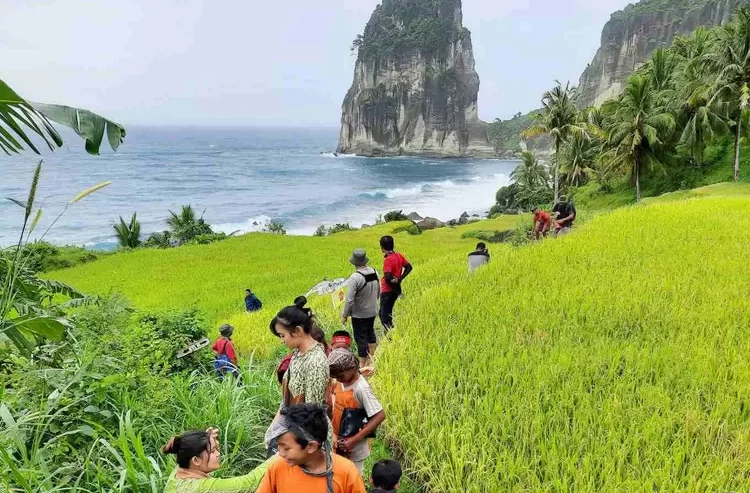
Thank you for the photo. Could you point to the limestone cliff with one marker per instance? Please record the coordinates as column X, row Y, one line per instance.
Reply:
column 415, row 87
column 632, row 35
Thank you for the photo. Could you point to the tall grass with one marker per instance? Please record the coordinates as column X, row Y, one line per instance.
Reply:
column 614, row 359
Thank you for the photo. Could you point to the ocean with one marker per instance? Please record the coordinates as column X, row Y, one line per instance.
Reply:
column 239, row 179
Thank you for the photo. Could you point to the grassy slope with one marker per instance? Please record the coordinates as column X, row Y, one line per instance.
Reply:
column 278, row 268
column 610, row 360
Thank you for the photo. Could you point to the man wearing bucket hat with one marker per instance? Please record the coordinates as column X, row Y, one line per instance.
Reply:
column 361, row 304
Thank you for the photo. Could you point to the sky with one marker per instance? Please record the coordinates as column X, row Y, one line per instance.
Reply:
column 247, row 62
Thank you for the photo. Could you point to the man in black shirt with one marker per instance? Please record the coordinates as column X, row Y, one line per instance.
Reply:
column 564, row 213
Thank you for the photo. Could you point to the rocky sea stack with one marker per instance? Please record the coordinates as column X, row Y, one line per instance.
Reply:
column 415, row 87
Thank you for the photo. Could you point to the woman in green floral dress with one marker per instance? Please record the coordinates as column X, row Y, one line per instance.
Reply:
column 197, row 457
column 307, row 378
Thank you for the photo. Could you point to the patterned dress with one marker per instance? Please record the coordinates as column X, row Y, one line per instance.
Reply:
column 307, row 378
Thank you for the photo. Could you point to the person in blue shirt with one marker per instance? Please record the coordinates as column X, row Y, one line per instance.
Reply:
column 252, row 303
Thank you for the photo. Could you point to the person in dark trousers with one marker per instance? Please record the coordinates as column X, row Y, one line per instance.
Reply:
column 361, row 304
column 252, row 303
column 564, row 213
column 479, row 257
column 395, row 270
column 386, row 476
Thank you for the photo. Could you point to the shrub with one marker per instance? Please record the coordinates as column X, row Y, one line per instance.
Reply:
column 411, row 229
column 339, row 228
column 321, row 231
column 206, row 239
column 393, row 216
column 274, row 228
column 44, row 257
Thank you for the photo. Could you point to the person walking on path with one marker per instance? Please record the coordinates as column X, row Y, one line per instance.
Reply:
column 307, row 377
column 542, row 223
column 361, row 304
column 197, row 457
column 479, row 257
column 565, row 214
column 252, row 303
column 306, row 462
column 395, row 270
column 351, row 393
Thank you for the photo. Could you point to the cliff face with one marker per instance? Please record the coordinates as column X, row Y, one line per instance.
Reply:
column 632, row 35
column 415, row 87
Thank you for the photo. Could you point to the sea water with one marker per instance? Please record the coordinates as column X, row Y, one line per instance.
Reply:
column 238, row 179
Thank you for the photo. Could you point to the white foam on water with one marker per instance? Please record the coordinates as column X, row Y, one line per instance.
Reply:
column 252, row 225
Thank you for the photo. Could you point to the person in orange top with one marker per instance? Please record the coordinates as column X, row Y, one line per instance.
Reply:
column 542, row 223
column 351, row 391
column 306, row 463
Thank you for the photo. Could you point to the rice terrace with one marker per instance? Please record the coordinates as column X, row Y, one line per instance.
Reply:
column 220, row 329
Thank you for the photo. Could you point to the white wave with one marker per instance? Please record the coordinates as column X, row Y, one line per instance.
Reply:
column 252, row 225
column 404, row 192
column 336, row 155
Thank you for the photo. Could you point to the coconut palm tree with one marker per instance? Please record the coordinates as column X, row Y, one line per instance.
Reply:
column 638, row 129
column 732, row 86
column 128, row 235
column 578, row 159
column 530, row 174
column 699, row 117
column 559, row 120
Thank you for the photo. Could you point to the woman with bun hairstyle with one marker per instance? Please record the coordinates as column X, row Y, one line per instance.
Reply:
column 197, row 457
column 306, row 379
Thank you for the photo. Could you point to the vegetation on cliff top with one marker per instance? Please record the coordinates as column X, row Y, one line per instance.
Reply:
column 397, row 28
column 654, row 6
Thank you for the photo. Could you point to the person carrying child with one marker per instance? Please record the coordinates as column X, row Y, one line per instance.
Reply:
column 357, row 413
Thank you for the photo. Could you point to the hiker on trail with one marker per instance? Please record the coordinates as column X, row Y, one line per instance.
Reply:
column 341, row 339
column 357, row 413
column 542, row 223
column 395, row 270
column 307, row 377
column 226, row 356
column 361, row 304
column 386, row 476
column 479, row 257
column 197, row 457
column 306, row 462
column 565, row 214
column 252, row 303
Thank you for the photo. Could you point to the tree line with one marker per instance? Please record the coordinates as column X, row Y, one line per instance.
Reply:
column 683, row 99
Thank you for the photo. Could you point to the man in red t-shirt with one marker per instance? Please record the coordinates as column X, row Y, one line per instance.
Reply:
column 395, row 270
column 542, row 223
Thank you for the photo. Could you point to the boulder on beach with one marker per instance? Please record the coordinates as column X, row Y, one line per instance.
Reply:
column 413, row 216
column 430, row 223
column 365, row 226
column 465, row 215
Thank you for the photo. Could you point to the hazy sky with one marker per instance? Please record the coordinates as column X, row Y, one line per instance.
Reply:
column 283, row 62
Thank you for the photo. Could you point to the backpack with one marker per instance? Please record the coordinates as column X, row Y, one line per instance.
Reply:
column 223, row 365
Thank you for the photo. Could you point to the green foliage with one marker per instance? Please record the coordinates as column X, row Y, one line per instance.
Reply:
column 275, row 228
column 411, row 229
column 395, row 216
column 399, row 28
column 185, row 226
column 505, row 135
column 18, row 113
column 44, row 257
column 128, row 234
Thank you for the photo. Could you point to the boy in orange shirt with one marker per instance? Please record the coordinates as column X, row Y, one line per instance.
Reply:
column 306, row 462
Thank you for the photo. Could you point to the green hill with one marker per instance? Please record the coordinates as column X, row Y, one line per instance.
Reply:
column 614, row 359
